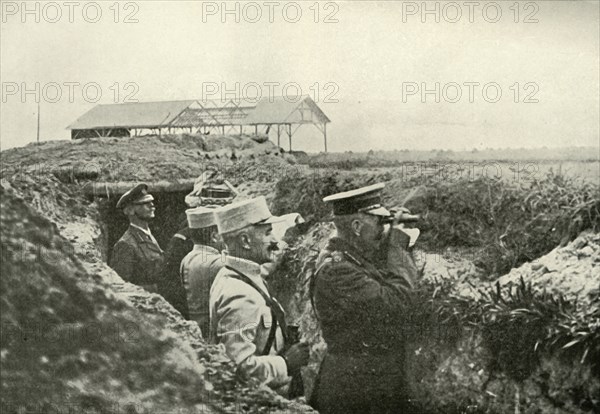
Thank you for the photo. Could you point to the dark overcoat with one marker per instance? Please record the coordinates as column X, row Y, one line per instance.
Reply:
column 170, row 283
column 137, row 258
column 361, row 310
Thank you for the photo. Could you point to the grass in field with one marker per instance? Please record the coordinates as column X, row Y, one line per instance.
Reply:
column 508, row 225
column 504, row 223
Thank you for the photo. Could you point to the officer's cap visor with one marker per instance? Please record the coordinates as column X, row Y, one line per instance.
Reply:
column 144, row 199
column 271, row 220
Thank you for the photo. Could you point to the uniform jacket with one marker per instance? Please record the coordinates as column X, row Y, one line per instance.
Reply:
column 360, row 309
column 241, row 320
column 170, row 284
column 198, row 271
column 137, row 258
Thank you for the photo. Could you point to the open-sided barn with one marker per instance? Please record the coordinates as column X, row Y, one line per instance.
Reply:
column 283, row 115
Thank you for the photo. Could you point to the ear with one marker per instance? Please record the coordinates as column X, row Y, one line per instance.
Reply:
column 128, row 210
column 215, row 237
column 245, row 242
column 356, row 226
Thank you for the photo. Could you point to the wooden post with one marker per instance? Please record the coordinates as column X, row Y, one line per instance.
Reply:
column 38, row 125
column 278, row 135
column 290, row 135
column 241, row 130
column 256, row 129
column 325, row 135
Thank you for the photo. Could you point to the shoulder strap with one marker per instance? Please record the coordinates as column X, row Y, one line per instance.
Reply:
column 276, row 310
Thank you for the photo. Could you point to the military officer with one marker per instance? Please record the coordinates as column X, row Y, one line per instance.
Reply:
column 243, row 314
column 137, row 257
column 170, row 285
column 201, row 265
column 361, row 291
column 210, row 190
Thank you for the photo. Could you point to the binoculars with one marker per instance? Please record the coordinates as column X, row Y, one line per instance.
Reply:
column 405, row 217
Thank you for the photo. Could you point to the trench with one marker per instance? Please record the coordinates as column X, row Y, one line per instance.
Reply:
column 169, row 215
column 453, row 377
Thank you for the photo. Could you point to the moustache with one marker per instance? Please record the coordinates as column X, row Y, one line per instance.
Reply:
column 273, row 247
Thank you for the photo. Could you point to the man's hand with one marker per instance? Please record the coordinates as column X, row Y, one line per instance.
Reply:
column 399, row 259
column 296, row 357
column 397, row 238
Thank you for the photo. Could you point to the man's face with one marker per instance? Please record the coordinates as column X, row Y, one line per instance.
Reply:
column 143, row 211
column 372, row 231
column 264, row 244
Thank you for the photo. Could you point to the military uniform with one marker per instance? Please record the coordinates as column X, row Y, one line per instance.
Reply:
column 243, row 315
column 198, row 271
column 138, row 258
column 241, row 320
column 170, row 284
column 361, row 307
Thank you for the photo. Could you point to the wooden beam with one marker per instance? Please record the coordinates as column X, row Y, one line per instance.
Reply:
column 116, row 189
column 278, row 135
column 290, row 135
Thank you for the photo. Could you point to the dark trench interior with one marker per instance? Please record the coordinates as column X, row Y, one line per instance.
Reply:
column 169, row 216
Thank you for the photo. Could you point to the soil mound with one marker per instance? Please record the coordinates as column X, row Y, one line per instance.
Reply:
column 572, row 271
column 144, row 158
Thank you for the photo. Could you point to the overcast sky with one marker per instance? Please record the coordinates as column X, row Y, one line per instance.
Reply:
column 363, row 67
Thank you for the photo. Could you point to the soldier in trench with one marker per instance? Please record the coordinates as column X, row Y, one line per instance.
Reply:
column 137, row 257
column 209, row 191
column 170, row 284
column 361, row 292
column 200, row 266
column 244, row 317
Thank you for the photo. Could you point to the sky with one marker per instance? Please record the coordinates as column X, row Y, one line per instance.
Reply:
column 389, row 75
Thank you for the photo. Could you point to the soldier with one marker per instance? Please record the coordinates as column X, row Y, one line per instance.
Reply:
column 201, row 265
column 137, row 257
column 170, row 285
column 243, row 314
column 210, row 190
column 361, row 296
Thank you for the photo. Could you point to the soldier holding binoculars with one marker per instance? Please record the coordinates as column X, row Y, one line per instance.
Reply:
column 361, row 291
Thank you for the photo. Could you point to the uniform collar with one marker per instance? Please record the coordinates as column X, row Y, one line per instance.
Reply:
column 205, row 249
column 148, row 232
column 247, row 267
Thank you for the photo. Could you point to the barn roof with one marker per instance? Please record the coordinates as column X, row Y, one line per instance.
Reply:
column 270, row 110
column 286, row 109
column 138, row 114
